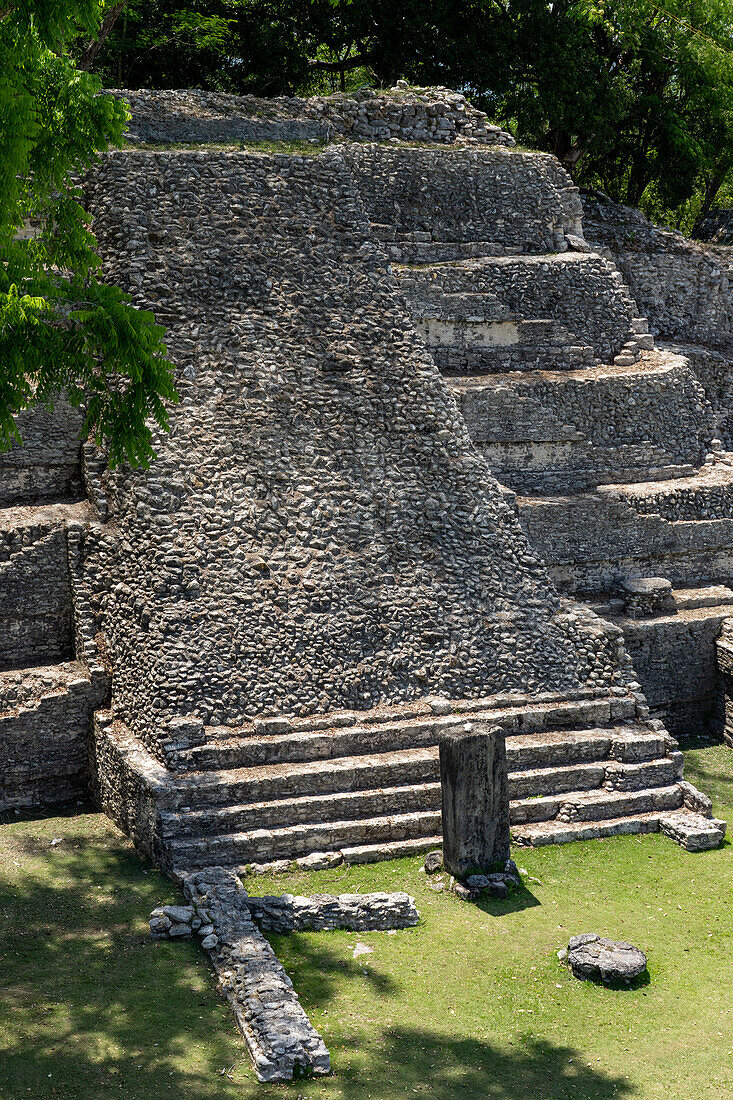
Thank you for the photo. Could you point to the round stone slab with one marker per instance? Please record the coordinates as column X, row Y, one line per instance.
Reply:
column 592, row 957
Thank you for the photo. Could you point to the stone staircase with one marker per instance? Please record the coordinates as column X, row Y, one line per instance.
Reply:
column 361, row 787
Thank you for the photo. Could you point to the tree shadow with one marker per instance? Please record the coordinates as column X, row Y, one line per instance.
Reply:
column 417, row 1061
column 90, row 1006
column 316, row 968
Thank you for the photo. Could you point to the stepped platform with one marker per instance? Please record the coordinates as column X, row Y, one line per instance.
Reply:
column 613, row 446
column 562, row 431
column 492, row 314
column 366, row 786
column 591, row 541
column 675, row 655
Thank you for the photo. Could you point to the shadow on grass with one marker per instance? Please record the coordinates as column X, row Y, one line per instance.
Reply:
column 416, row 1061
column 91, row 1008
column 519, row 899
column 317, row 969
column 89, row 1004
column 64, row 810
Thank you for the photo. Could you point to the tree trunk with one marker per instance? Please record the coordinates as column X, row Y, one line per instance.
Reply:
column 88, row 57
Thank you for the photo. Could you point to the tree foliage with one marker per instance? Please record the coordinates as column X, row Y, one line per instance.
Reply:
column 62, row 330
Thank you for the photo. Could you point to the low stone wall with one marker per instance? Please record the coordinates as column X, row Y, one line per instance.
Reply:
column 580, row 294
column 402, row 113
column 128, row 785
column 321, row 912
column 280, row 1037
column 675, row 660
column 566, row 432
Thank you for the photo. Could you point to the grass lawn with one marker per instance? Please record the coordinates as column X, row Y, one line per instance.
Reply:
column 472, row 1004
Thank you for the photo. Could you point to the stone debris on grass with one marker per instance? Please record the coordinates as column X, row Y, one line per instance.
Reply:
column 592, row 957
column 497, row 884
column 230, row 924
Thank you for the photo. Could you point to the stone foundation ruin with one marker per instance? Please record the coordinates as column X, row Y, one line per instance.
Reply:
column 407, row 383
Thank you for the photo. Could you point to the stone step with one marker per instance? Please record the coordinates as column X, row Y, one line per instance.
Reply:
column 595, row 805
column 235, row 849
column 539, row 782
column 559, row 832
column 591, row 540
column 268, row 783
column 309, row 809
column 353, row 805
column 690, row 830
column 706, row 494
column 296, row 747
column 583, row 760
column 293, row 828
column 457, row 362
column 555, row 748
column 689, row 599
column 293, row 747
column 567, row 431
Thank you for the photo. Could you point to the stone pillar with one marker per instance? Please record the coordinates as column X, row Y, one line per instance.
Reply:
column 475, row 788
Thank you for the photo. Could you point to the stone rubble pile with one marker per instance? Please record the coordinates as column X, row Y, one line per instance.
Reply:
column 436, row 115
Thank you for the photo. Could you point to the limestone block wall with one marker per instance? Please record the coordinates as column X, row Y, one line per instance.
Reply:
column 45, row 720
column 715, row 228
column 407, row 114
column 715, row 372
column 46, row 467
column 508, row 200
column 318, row 531
column 35, row 596
column 674, row 658
column 560, row 432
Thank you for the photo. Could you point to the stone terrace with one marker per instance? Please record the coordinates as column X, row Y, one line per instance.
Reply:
column 320, row 572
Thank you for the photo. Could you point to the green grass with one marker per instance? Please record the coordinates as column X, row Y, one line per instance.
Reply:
column 473, row 1003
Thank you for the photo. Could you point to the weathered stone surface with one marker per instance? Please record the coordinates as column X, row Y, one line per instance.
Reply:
column 319, row 514
column 433, row 862
column 590, row 956
column 475, row 793
column 403, row 113
column 693, row 831
column 355, row 912
column 647, row 596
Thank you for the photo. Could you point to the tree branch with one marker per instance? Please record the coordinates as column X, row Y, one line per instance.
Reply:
column 87, row 58
column 341, row 66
